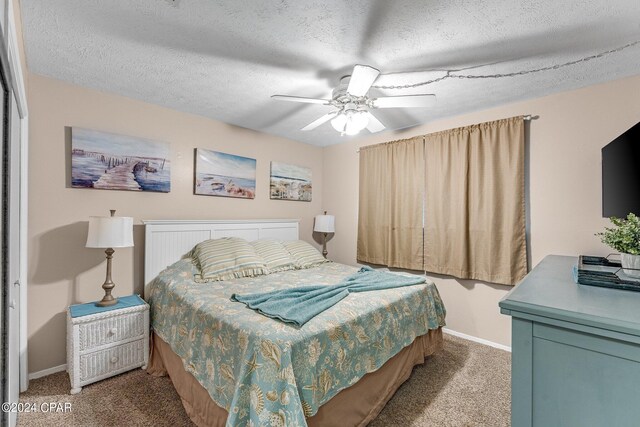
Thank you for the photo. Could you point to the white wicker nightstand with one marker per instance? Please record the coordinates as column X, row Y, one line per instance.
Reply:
column 106, row 341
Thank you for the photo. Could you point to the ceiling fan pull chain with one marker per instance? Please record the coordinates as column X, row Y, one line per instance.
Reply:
column 502, row 75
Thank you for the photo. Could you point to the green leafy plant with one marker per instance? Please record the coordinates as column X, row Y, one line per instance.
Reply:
column 625, row 236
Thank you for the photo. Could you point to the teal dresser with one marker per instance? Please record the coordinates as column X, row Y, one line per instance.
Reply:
column 576, row 351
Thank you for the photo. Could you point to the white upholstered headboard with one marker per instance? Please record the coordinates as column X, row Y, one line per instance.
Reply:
column 166, row 241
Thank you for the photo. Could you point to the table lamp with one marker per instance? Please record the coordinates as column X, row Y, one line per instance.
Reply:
column 325, row 224
column 109, row 232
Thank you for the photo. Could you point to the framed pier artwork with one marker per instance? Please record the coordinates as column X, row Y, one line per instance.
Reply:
column 109, row 161
column 222, row 174
column 290, row 182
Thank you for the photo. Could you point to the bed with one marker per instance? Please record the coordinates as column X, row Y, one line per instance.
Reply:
column 233, row 366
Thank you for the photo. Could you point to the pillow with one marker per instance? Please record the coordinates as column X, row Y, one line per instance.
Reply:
column 275, row 256
column 304, row 255
column 226, row 258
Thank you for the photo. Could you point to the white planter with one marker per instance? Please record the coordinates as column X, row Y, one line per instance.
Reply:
column 631, row 261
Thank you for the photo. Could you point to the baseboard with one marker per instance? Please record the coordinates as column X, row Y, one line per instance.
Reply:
column 476, row 339
column 48, row 371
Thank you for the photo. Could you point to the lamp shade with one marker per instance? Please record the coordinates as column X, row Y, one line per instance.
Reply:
column 110, row 232
column 325, row 224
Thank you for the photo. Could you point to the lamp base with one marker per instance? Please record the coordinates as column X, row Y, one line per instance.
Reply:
column 324, row 245
column 108, row 284
column 107, row 301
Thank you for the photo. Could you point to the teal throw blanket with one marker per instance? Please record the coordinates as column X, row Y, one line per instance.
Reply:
column 299, row 305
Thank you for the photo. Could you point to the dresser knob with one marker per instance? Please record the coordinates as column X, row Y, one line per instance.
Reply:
column 113, row 331
column 114, row 359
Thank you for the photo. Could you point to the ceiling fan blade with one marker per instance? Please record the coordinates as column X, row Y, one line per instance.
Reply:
column 361, row 80
column 374, row 124
column 404, row 101
column 320, row 121
column 301, row 99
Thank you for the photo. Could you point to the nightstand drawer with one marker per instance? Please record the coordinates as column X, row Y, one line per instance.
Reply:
column 110, row 330
column 110, row 361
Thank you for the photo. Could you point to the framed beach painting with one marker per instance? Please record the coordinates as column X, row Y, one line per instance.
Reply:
column 290, row 182
column 222, row 174
column 109, row 161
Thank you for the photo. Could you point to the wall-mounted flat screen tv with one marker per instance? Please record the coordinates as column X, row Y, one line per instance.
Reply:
column 621, row 175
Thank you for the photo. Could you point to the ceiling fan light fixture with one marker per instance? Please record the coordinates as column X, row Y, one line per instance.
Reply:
column 339, row 122
column 356, row 122
column 350, row 122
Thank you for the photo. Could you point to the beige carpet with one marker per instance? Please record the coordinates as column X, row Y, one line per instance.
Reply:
column 467, row 384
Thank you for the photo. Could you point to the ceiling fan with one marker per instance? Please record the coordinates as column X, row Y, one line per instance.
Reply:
column 352, row 104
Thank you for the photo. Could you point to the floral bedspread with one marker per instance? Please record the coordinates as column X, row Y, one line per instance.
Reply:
column 265, row 372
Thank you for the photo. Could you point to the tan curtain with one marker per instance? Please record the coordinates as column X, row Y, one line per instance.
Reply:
column 474, row 212
column 391, row 202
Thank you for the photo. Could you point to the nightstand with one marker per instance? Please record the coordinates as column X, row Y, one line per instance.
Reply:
column 106, row 341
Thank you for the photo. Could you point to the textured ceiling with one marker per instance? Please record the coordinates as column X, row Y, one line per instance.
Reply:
column 223, row 59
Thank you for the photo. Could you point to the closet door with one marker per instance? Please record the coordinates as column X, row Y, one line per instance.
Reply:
column 4, row 205
column 13, row 259
column 10, row 244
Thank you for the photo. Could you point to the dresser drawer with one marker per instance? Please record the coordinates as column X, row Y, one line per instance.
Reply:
column 110, row 361
column 110, row 330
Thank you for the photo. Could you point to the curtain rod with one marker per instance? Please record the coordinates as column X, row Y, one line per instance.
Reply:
column 527, row 117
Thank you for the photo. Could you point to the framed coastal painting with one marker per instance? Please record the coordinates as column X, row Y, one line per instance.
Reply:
column 108, row 161
column 222, row 174
column 290, row 182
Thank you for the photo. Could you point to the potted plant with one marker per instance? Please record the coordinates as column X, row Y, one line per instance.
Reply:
column 625, row 238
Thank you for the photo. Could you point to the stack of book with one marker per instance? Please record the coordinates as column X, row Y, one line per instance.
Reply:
column 599, row 271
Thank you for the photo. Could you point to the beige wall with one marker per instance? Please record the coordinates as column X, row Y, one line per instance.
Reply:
column 61, row 270
column 565, row 186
